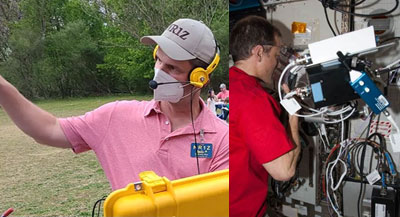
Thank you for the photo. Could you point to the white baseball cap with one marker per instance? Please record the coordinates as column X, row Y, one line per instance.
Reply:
column 185, row 39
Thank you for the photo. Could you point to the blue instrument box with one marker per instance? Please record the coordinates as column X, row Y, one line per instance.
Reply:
column 368, row 91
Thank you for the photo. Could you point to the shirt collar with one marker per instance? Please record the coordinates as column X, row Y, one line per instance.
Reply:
column 152, row 106
column 202, row 122
column 243, row 76
column 238, row 74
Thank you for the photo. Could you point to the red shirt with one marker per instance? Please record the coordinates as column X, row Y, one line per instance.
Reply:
column 256, row 136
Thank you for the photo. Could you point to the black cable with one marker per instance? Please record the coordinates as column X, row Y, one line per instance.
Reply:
column 352, row 5
column 386, row 88
column 368, row 15
column 352, row 10
column 262, row 205
column 381, row 142
column 381, row 148
column 389, row 39
column 382, row 71
column 194, row 131
column 98, row 211
column 361, row 165
column 359, row 207
column 355, row 150
column 357, row 158
column 95, row 205
column 327, row 20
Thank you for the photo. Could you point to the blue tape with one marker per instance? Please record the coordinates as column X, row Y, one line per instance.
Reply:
column 317, row 92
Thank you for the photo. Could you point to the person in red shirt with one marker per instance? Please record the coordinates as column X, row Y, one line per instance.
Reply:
column 259, row 144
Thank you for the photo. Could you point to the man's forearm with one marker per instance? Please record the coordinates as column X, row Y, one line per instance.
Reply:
column 296, row 153
column 32, row 120
column 295, row 136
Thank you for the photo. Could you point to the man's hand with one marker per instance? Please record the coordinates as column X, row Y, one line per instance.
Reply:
column 293, row 119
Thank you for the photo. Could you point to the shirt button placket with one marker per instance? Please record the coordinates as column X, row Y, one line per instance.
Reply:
column 167, row 123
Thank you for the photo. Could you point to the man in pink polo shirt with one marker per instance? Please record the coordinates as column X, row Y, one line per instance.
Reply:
column 221, row 96
column 129, row 137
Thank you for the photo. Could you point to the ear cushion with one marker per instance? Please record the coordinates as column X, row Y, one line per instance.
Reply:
column 199, row 77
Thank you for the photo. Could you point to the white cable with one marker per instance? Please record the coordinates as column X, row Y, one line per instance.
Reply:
column 323, row 140
column 342, row 137
column 327, row 139
column 342, row 149
column 327, row 188
column 339, row 112
column 392, row 64
column 281, row 78
column 329, row 176
column 337, row 121
column 290, row 65
column 310, row 115
column 322, row 110
column 341, row 177
column 323, row 132
column 291, row 94
column 327, row 191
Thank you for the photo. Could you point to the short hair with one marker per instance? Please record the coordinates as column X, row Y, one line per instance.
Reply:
column 248, row 33
column 198, row 63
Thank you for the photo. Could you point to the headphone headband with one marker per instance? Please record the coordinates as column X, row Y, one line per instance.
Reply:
column 213, row 65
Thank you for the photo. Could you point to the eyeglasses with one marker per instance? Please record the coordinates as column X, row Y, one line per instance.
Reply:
column 268, row 46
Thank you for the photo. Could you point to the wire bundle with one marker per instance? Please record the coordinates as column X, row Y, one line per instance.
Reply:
column 350, row 155
column 328, row 116
column 335, row 5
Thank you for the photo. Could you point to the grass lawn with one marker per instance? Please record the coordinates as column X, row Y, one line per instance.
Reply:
column 38, row 180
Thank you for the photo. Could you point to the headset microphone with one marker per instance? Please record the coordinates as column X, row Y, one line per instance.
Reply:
column 154, row 84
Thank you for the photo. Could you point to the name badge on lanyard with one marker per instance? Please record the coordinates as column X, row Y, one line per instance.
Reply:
column 204, row 150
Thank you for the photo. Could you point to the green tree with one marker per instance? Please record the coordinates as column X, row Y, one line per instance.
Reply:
column 142, row 17
column 63, row 48
column 127, row 60
column 9, row 13
column 26, row 49
column 68, row 62
column 54, row 49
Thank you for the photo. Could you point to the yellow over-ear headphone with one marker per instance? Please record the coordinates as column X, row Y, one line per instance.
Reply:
column 200, row 76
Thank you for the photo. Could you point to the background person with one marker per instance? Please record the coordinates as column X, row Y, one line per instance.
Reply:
column 223, row 94
column 211, row 101
column 224, row 110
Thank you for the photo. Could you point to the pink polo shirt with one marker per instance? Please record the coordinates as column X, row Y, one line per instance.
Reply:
column 223, row 94
column 129, row 137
